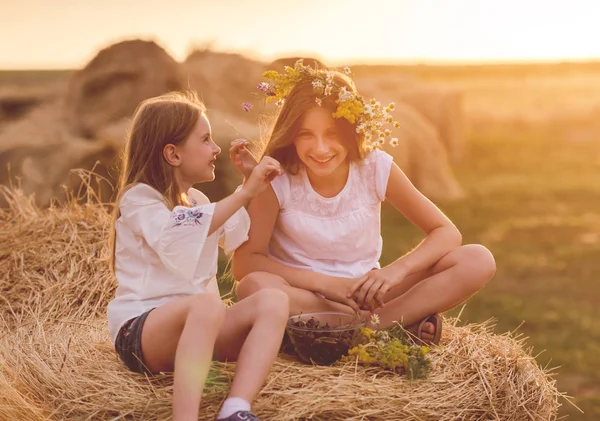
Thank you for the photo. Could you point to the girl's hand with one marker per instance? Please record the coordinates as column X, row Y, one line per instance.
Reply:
column 337, row 289
column 241, row 157
column 369, row 290
column 261, row 176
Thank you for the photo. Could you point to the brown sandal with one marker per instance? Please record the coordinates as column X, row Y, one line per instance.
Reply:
column 416, row 330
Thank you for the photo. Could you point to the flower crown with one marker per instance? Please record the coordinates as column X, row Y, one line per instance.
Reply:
column 370, row 117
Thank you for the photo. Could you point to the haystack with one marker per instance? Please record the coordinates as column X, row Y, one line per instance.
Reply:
column 85, row 127
column 58, row 362
column 69, row 371
column 224, row 81
column 422, row 156
column 40, row 150
column 441, row 105
column 113, row 83
column 281, row 63
column 18, row 97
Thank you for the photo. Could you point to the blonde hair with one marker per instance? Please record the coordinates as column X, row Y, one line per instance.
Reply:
column 157, row 122
column 302, row 97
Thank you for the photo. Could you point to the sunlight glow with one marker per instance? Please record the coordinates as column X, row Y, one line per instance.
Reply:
column 68, row 33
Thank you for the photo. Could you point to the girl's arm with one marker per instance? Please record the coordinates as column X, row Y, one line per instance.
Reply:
column 442, row 236
column 257, row 182
column 178, row 236
column 252, row 255
column 225, row 208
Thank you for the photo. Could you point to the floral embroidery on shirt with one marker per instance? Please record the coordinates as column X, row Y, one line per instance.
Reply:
column 187, row 217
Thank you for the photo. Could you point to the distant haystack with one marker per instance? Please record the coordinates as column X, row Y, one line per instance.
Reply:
column 41, row 152
column 441, row 105
column 224, row 81
column 76, row 124
column 110, row 87
column 422, row 156
column 281, row 63
column 19, row 97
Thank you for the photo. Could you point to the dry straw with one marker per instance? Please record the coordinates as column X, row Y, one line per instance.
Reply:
column 57, row 362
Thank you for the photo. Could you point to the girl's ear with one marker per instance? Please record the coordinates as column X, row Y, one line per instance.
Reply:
column 171, row 156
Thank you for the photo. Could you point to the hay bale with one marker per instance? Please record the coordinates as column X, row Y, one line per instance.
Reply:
column 89, row 125
column 53, row 261
column 58, row 362
column 114, row 82
column 441, row 105
column 13, row 107
column 70, row 371
column 281, row 63
column 422, row 156
column 18, row 98
column 41, row 151
column 224, row 81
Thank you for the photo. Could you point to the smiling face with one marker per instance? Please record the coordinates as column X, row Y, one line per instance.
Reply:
column 319, row 144
column 198, row 154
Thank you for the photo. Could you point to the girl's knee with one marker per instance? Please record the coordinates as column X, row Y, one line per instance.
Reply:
column 206, row 309
column 273, row 302
column 254, row 282
column 479, row 264
column 248, row 285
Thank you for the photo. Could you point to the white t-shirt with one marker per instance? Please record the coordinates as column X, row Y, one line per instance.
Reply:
column 337, row 236
column 162, row 255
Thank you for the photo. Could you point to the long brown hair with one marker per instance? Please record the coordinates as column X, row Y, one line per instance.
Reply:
column 280, row 140
column 157, row 122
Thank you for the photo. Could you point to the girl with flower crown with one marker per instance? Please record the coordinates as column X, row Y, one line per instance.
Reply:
column 316, row 232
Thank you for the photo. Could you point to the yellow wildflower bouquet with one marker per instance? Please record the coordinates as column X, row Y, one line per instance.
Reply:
column 369, row 117
column 391, row 350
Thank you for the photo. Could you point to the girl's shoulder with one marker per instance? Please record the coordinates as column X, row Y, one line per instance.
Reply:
column 374, row 171
column 196, row 197
column 283, row 185
column 375, row 157
column 140, row 194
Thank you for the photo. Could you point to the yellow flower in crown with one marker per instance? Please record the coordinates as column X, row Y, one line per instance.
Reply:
column 369, row 117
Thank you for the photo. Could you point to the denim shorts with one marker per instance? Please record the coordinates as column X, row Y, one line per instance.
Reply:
column 129, row 344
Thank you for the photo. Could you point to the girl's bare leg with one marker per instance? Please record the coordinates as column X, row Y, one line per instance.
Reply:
column 301, row 300
column 452, row 280
column 180, row 336
column 251, row 335
column 183, row 335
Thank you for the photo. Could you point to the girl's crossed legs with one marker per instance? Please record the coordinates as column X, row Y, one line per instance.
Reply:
column 453, row 279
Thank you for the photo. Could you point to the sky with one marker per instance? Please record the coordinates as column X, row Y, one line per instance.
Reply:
column 58, row 34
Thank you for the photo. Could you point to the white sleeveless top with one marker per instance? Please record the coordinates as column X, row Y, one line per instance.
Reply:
column 337, row 236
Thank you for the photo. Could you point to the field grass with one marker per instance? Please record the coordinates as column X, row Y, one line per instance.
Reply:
column 533, row 200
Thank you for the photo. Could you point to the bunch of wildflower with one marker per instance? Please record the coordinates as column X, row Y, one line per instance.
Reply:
column 369, row 117
column 391, row 350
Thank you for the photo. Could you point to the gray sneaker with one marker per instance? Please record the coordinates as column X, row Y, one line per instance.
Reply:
column 240, row 416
